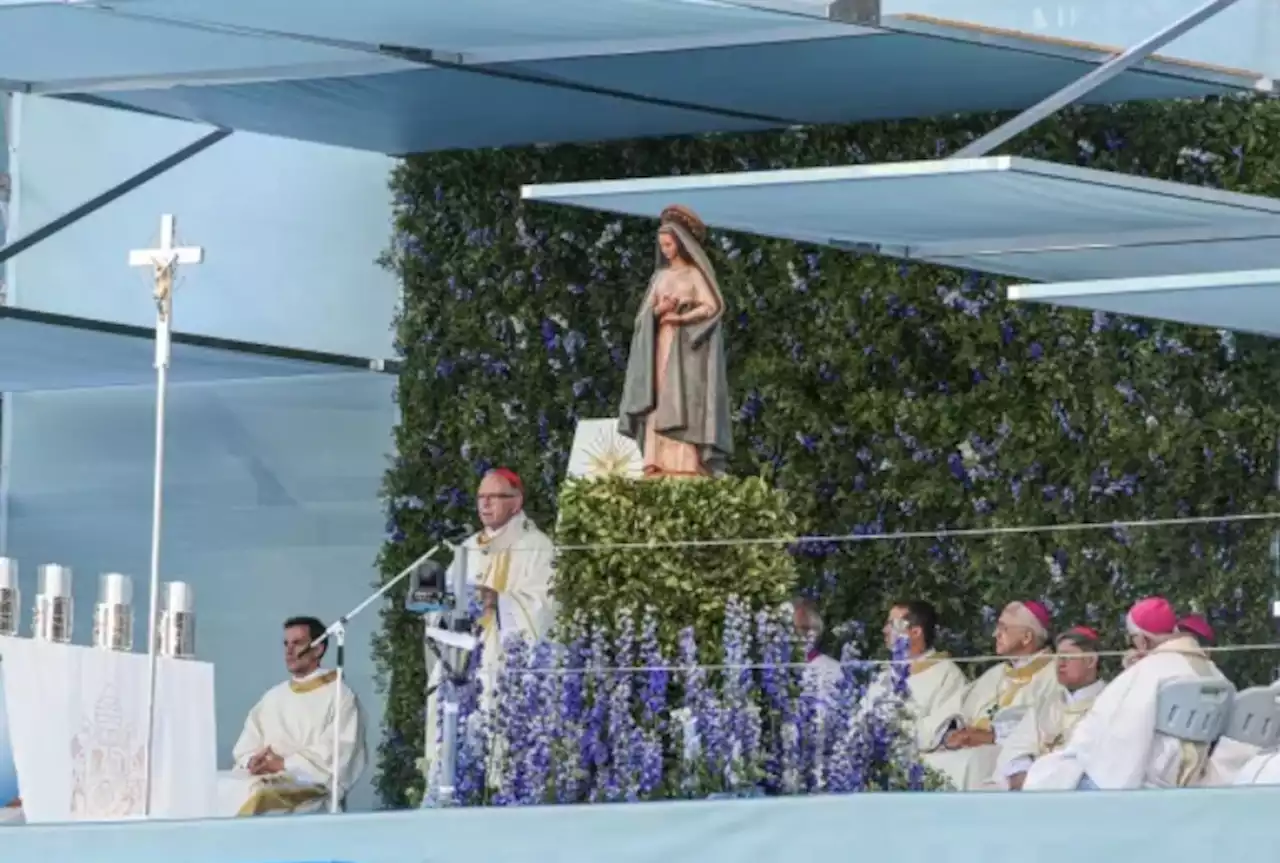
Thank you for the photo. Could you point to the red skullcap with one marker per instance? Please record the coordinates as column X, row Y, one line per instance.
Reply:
column 1196, row 624
column 1081, row 636
column 1152, row 616
column 512, row 478
column 1039, row 612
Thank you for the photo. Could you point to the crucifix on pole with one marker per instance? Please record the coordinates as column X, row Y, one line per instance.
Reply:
column 163, row 262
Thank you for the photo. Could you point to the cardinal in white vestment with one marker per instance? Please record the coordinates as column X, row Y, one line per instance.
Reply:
column 284, row 757
column 962, row 737
column 1048, row 729
column 509, row 565
column 1115, row 746
column 932, row 678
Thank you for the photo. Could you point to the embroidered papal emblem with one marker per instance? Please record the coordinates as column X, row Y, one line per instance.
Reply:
column 108, row 758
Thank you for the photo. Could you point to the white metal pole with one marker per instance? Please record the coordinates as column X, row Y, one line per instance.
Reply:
column 164, row 307
column 335, row 774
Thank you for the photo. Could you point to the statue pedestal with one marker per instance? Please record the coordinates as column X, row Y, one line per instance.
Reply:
column 671, row 546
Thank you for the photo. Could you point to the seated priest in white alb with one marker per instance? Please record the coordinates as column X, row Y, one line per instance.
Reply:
column 284, row 757
column 932, row 678
column 1049, row 728
column 823, row 670
column 1115, row 746
column 962, row 737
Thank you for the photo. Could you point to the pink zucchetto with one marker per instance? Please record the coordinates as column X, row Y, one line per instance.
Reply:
column 1033, row 615
column 1197, row 625
column 1153, row 616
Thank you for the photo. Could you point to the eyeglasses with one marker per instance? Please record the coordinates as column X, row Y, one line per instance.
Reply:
column 503, row 496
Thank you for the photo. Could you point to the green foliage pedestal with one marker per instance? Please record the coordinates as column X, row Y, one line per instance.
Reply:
column 622, row 544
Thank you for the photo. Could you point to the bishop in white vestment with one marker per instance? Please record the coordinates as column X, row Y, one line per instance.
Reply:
column 1115, row 746
column 1048, row 729
column 509, row 566
column 284, row 757
column 822, row 672
column 932, row 678
column 962, row 737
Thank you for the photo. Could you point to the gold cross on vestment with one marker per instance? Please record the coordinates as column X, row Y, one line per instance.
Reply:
column 164, row 261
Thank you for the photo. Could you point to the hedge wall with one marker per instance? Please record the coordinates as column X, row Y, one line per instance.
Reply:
column 689, row 586
column 879, row 396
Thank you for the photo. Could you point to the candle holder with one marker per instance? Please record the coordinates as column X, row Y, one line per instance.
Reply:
column 55, row 610
column 113, row 615
column 178, row 621
column 10, row 598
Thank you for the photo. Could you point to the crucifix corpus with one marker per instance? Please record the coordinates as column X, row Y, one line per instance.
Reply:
column 163, row 262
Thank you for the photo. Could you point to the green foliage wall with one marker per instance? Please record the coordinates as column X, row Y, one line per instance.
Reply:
column 880, row 396
column 688, row 585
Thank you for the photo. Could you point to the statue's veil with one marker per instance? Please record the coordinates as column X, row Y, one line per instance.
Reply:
column 695, row 252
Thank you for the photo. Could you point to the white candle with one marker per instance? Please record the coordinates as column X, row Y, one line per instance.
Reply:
column 55, row 580
column 8, row 574
column 115, row 589
column 179, row 597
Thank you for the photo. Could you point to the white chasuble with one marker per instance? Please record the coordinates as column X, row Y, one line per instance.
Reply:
column 1229, row 759
column 517, row 563
column 1115, row 744
column 932, row 681
column 296, row 720
column 1261, row 769
column 1045, row 730
column 997, row 701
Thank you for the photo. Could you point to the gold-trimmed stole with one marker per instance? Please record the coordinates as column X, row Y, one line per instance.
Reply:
column 311, row 684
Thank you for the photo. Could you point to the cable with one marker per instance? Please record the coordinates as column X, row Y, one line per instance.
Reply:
column 940, row 533
column 854, row 663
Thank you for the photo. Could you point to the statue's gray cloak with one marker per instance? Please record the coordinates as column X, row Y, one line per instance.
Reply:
column 694, row 404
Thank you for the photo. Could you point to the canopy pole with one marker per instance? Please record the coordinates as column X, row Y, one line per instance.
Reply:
column 69, row 218
column 1085, row 85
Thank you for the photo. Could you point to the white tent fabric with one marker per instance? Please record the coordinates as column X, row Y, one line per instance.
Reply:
column 1019, row 217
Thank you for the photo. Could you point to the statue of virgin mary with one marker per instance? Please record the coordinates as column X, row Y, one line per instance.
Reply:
column 675, row 402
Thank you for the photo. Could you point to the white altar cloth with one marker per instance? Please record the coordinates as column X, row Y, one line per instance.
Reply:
column 78, row 724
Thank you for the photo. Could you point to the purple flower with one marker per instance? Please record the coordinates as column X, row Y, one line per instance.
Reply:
column 541, row 703
column 699, row 729
column 512, row 722
column 623, row 781
column 594, row 750
column 654, row 707
column 569, row 771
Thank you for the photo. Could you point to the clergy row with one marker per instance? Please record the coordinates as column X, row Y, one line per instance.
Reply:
column 1043, row 719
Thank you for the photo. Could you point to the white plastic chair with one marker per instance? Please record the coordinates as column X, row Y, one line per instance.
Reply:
column 1255, row 717
column 1196, row 711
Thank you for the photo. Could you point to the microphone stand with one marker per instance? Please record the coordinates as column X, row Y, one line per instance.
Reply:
column 337, row 633
column 451, row 680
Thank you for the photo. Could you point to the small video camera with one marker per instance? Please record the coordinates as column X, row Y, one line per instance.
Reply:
column 429, row 590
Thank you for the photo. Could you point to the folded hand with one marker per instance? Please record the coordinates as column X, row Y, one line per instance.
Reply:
column 265, row 763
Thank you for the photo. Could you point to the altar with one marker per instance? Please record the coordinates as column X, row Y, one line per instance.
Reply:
column 77, row 720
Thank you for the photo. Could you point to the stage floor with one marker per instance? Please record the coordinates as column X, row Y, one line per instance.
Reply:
column 974, row 827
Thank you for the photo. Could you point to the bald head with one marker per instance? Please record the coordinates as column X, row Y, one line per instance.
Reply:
column 499, row 498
